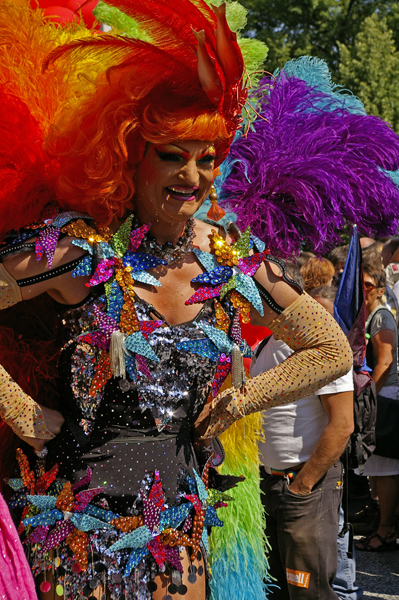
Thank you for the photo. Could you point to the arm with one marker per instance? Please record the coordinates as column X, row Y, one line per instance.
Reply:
column 321, row 354
column 383, row 344
column 332, row 442
column 29, row 420
column 24, row 264
column 270, row 277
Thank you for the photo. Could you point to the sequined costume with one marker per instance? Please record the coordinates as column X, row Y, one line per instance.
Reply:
column 73, row 135
column 123, row 488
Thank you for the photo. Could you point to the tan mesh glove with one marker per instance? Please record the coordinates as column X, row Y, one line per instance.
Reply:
column 10, row 293
column 20, row 411
column 321, row 354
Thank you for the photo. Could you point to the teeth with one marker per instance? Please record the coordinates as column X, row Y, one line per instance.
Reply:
column 181, row 192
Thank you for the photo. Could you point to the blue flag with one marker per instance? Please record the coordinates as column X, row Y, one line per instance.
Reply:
column 349, row 304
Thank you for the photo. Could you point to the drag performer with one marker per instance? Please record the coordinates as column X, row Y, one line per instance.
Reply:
column 114, row 148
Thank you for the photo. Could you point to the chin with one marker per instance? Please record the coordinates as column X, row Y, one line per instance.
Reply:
column 185, row 211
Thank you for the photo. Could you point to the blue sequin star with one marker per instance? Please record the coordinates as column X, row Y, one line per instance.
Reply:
column 141, row 262
column 219, row 338
column 203, row 347
column 137, row 344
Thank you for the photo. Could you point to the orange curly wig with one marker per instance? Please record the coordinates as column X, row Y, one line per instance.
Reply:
column 99, row 154
column 100, row 98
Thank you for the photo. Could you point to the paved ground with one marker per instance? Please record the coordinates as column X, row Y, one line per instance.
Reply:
column 378, row 574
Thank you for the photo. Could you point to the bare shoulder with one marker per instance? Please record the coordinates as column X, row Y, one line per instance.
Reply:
column 270, row 277
column 62, row 287
column 24, row 264
column 203, row 233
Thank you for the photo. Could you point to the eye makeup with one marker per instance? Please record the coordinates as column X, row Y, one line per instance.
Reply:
column 171, row 152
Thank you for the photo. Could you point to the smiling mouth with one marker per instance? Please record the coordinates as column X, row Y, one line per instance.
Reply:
column 181, row 193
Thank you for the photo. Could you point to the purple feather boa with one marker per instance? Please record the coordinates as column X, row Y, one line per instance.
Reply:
column 306, row 171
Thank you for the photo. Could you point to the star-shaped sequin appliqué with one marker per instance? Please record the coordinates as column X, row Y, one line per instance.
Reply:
column 155, row 532
column 217, row 346
column 66, row 516
column 47, row 239
column 230, row 267
column 119, row 265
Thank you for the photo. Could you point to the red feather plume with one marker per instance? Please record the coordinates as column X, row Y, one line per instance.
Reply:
column 25, row 185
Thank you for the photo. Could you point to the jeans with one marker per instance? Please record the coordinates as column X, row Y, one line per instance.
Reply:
column 344, row 584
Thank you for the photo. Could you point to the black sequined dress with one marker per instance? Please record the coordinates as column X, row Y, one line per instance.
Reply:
column 136, row 430
column 123, row 490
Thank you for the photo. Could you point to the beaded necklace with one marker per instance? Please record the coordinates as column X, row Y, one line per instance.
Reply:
column 170, row 252
column 117, row 260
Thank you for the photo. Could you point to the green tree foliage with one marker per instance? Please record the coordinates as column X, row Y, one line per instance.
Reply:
column 371, row 68
column 359, row 39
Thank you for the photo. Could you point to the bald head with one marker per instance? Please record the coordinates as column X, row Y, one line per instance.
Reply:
column 365, row 242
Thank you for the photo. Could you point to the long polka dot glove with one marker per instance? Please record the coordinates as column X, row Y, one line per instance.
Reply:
column 321, row 354
column 20, row 411
column 10, row 293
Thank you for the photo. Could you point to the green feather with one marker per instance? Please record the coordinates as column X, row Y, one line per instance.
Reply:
column 119, row 22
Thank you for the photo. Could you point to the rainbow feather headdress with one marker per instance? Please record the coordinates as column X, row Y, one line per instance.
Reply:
column 189, row 59
column 192, row 53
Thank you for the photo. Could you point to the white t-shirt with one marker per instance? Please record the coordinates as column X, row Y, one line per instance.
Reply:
column 293, row 430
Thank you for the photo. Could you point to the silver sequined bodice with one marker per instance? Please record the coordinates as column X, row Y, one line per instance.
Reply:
column 171, row 392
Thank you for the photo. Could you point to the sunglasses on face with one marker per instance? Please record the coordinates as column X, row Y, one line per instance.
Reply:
column 369, row 286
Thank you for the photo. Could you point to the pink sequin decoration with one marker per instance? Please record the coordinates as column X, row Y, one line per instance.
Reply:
column 222, row 370
column 59, row 533
column 187, row 524
column 104, row 271
column 156, row 494
column 157, row 549
column 38, row 535
column 105, row 323
column 46, row 243
column 137, row 236
column 95, row 338
column 204, row 293
column 250, row 264
column 142, row 366
column 236, row 329
column 173, row 558
column 84, row 481
column 82, row 499
column 151, row 514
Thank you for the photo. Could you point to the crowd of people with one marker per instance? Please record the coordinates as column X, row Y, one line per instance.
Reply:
column 123, row 311
column 305, row 440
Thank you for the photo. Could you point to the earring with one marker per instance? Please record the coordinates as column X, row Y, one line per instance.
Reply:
column 215, row 212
